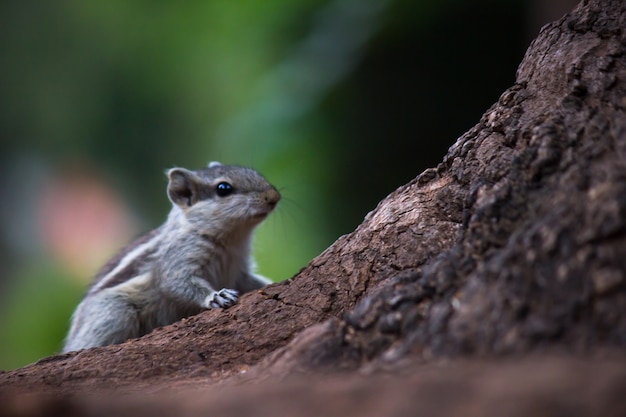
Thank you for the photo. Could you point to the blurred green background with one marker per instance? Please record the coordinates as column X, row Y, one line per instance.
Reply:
column 337, row 102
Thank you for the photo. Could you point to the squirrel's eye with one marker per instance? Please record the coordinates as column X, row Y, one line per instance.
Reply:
column 223, row 189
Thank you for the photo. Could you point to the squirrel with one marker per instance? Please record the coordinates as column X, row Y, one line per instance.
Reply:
column 198, row 259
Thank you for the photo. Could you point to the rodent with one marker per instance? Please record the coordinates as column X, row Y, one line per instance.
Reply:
column 200, row 258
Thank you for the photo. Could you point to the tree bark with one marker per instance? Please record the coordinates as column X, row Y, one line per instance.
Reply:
column 514, row 246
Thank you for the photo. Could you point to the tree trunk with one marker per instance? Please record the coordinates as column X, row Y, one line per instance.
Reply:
column 493, row 283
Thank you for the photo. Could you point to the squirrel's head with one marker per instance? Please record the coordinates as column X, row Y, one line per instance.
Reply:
column 222, row 199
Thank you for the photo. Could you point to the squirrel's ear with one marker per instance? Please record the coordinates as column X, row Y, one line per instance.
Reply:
column 214, row 164
column 182, row 189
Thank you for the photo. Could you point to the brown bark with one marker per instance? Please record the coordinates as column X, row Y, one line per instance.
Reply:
column 515, row 244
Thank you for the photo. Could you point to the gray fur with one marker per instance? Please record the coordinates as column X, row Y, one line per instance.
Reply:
column 198, row 259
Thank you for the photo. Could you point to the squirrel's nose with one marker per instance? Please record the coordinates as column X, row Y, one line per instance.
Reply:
column 272, row 197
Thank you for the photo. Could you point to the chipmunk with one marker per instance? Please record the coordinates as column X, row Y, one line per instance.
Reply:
column 198, row 259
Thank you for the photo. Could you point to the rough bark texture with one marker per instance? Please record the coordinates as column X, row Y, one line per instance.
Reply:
column 514, row 245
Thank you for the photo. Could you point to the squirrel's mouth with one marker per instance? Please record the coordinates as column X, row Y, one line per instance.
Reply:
column 262, row 212
column 260, row 215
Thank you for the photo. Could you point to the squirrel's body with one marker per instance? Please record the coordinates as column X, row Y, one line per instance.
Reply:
column 198, row 259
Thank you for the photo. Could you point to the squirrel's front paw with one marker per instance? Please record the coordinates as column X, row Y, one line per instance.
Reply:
column 222, row 299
